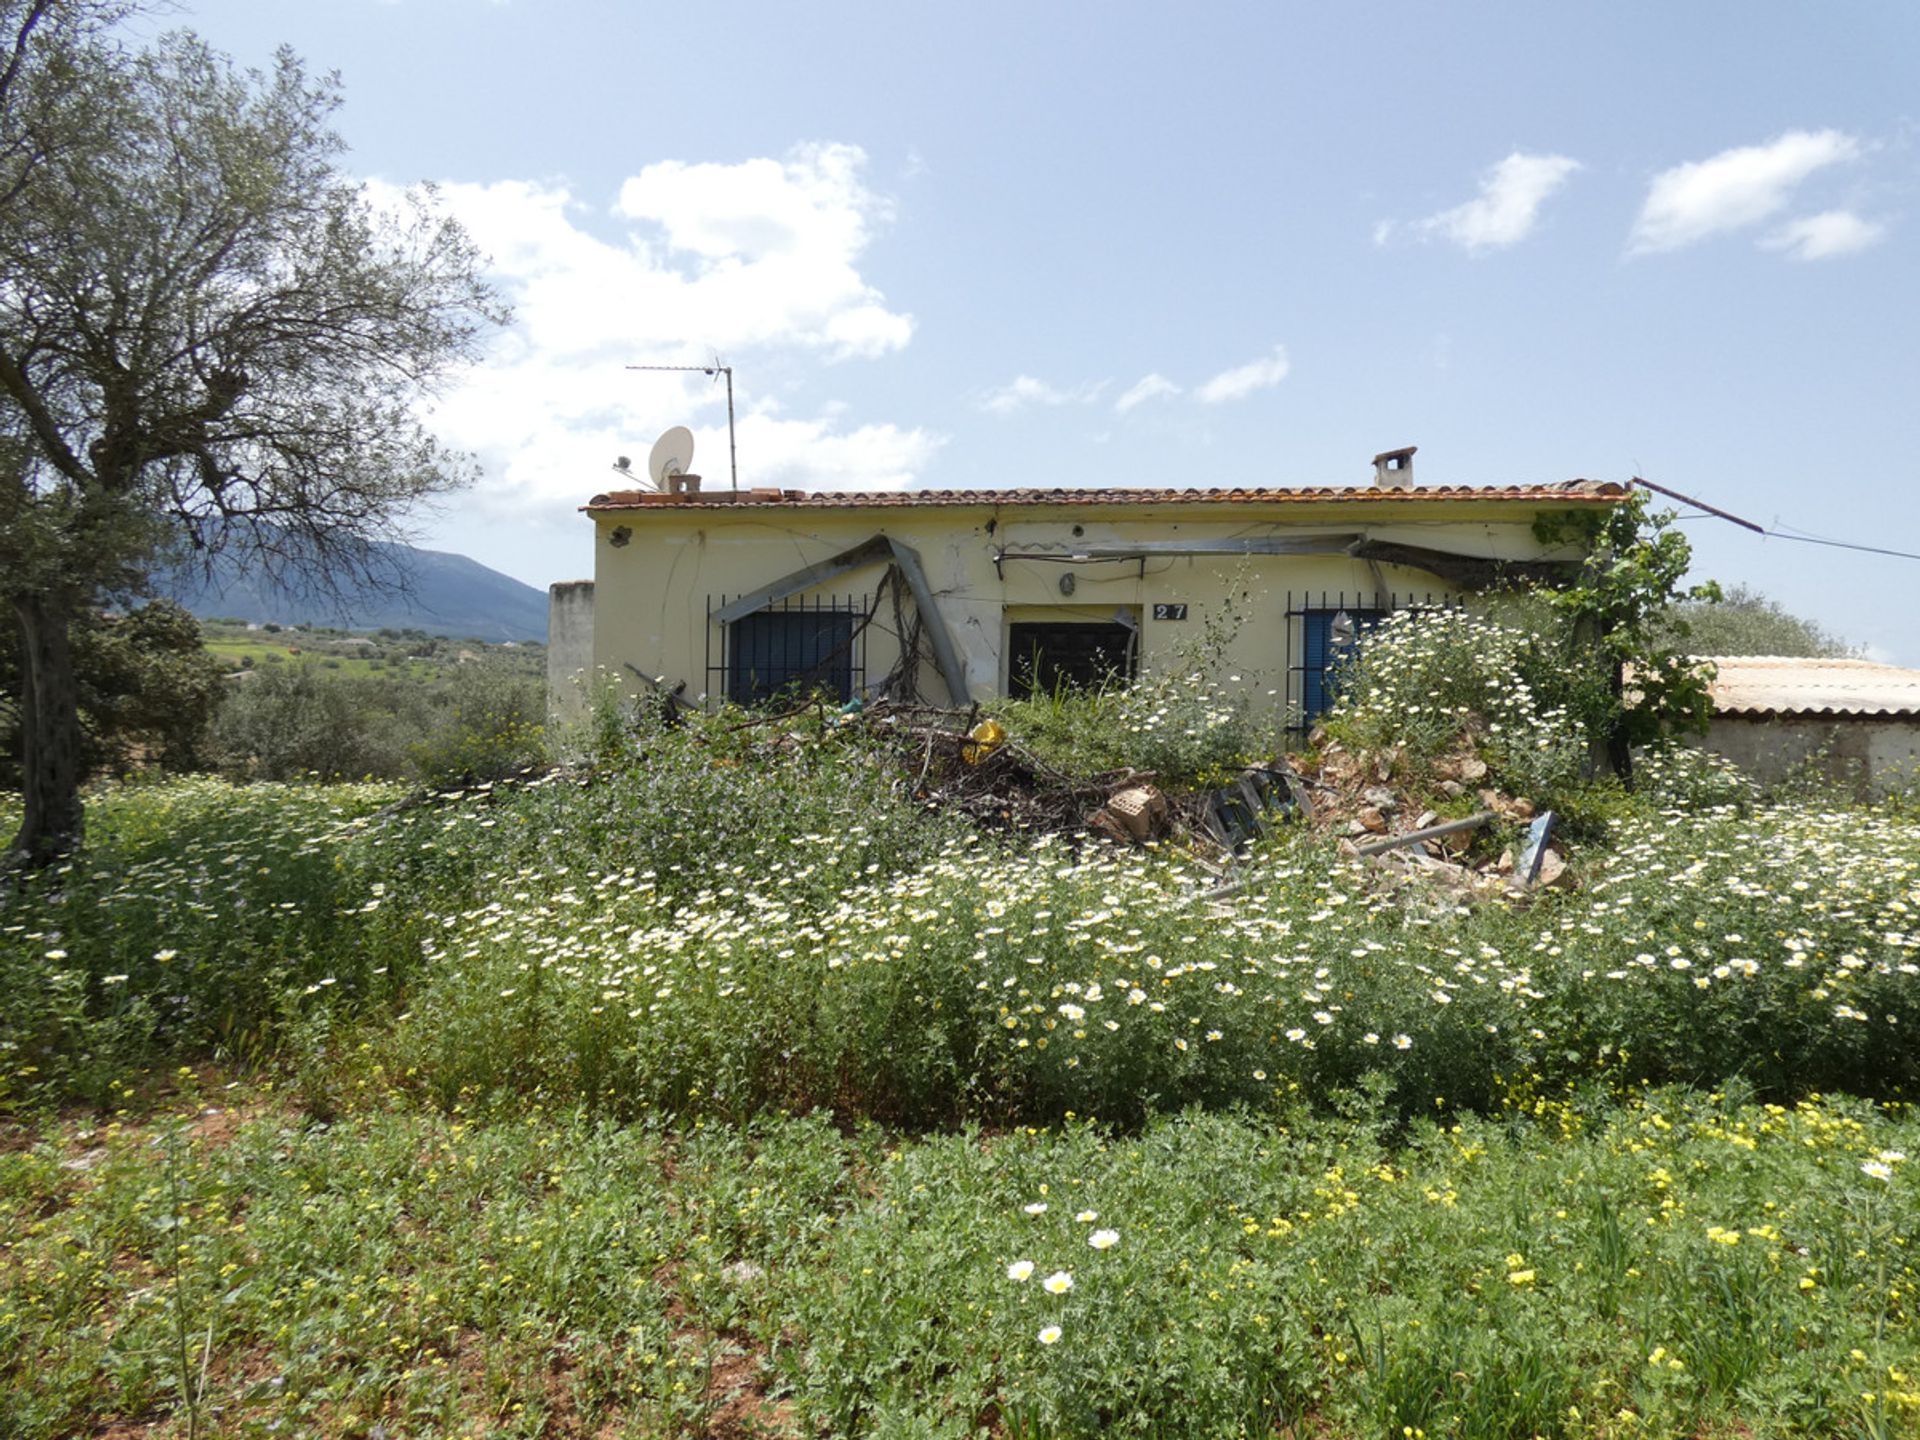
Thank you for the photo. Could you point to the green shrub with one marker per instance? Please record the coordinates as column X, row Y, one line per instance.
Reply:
column 147, row 691
column 485, row 721
column 285, row 722
column 1742, row 621
column 479, row 722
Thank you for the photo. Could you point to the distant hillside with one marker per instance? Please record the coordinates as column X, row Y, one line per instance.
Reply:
column 443, row 594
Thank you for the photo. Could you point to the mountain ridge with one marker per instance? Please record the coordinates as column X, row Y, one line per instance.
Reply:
column 437, row 591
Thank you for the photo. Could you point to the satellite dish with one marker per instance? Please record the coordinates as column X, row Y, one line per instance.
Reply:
column 672, row 454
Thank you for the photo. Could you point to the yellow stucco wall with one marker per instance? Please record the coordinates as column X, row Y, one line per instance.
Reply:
column 655, row 590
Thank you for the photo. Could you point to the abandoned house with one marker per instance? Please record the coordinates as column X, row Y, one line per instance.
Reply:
column 961, row 595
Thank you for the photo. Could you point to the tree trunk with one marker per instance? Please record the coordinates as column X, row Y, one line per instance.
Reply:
column 50, row 731
column 1619, row 747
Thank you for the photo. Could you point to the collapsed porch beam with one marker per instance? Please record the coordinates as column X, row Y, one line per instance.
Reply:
column 867, row 552
column 944, row 655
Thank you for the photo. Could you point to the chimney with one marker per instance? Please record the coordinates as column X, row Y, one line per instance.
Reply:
column 1393, row 469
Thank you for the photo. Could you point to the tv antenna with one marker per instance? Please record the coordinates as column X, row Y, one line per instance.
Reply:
column 715, row 370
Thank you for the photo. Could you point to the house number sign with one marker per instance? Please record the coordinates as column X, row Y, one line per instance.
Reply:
column 1170, row 612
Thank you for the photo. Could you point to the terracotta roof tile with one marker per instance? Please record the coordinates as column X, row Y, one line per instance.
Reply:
column 1570, row 490
column 1761, row 685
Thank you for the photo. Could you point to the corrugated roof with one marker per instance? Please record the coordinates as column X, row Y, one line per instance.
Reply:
column 1563, row 492
column 1760, row 685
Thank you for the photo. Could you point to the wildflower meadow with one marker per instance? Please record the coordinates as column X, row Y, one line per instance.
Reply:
column 724, row 1088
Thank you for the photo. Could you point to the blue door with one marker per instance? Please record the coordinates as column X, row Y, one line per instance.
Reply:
column 1323, row 653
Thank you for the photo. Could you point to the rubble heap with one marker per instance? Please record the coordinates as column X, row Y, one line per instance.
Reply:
column 1431, row 827
column 1380, row 806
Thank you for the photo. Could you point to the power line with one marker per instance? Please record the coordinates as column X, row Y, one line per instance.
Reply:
column 1843, row 545
column 1762, row 530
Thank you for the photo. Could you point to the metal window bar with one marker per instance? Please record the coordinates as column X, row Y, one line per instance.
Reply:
column 803, row 643
column 1310, row 654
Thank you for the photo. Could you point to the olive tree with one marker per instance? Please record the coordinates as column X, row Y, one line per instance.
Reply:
column 210, row 339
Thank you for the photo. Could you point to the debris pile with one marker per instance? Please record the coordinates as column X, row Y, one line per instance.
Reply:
column 1430, row 828
column 963, row 762
column 1382, row 807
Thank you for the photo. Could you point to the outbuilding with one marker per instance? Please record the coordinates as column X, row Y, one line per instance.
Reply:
column 1856, row 722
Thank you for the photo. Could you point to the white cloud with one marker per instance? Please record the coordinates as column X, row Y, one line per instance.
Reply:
column 1150, row 387
column 1826, row 235
column 1507, row 207
column 1243, row 380
column 1024, row 391
column 758, row 262
column 816, row 455
column 1733, row 189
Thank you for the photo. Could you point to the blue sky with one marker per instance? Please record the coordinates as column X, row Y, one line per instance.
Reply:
column 1080, row 244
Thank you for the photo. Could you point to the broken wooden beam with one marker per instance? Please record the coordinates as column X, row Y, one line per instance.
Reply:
column 673, row 693
column 1432, row 832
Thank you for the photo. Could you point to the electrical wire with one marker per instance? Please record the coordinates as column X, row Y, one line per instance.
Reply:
column 1844, row 545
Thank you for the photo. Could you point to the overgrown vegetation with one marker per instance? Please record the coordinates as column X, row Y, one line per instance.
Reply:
column 1187, row 722
column 1678, row 1265
column 724, row 1086
column 748, row 925
column 1432, row 683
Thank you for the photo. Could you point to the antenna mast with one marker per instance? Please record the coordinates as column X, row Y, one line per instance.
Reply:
column 716, row 368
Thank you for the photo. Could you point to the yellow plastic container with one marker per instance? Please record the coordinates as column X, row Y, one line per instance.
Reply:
column 987, row 737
